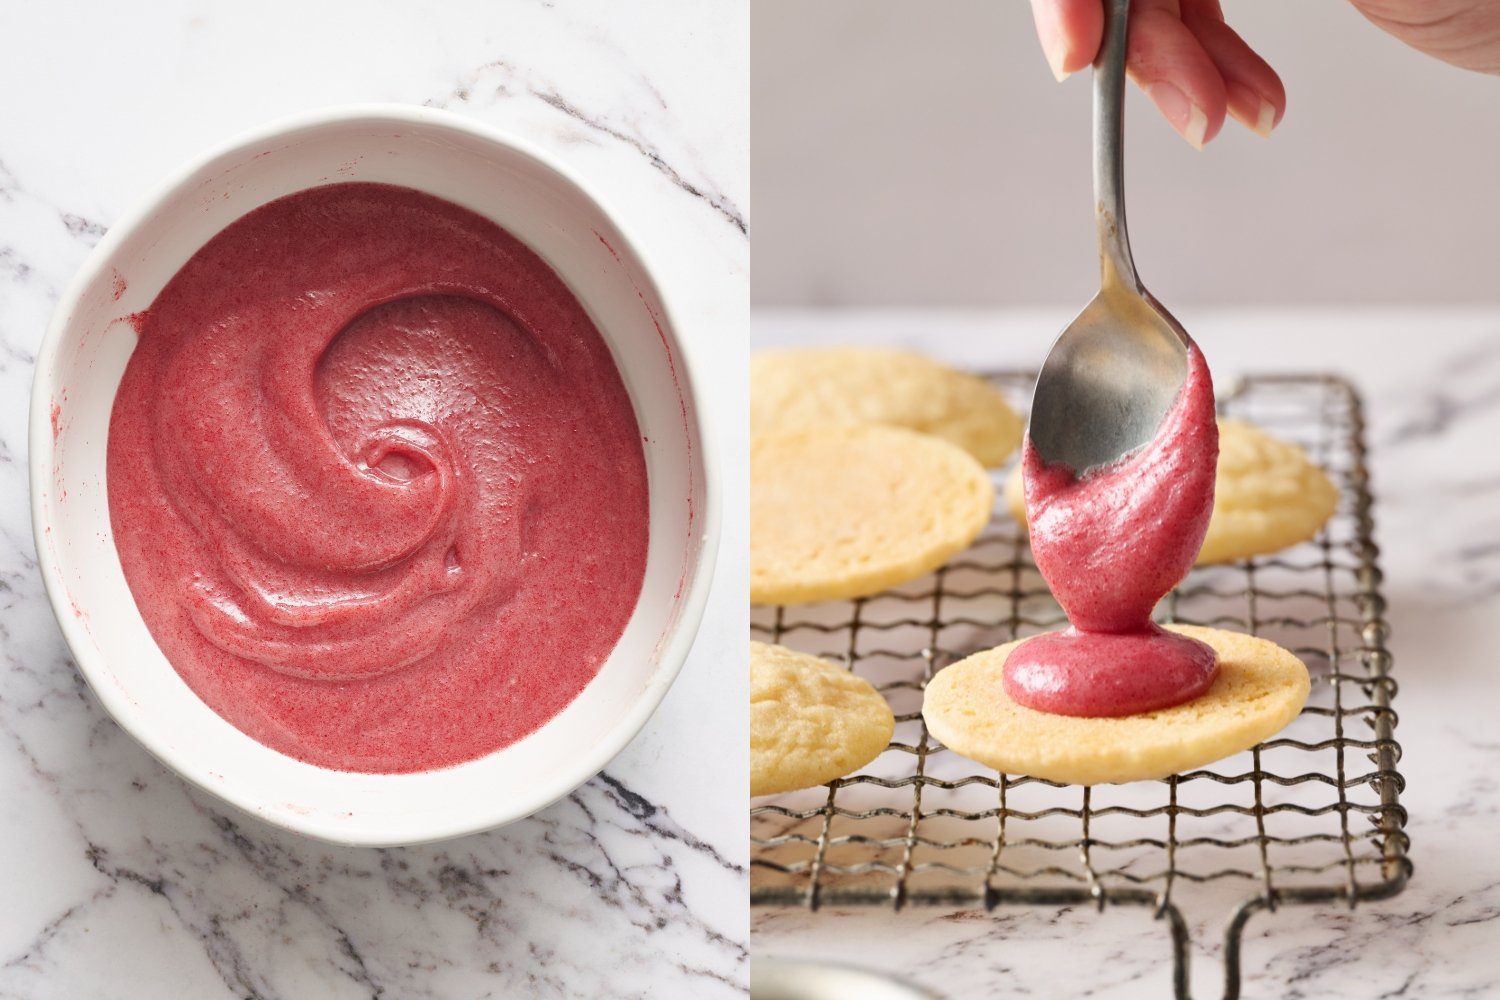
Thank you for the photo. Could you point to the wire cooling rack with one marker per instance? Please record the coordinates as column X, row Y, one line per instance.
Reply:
column 1311, row 816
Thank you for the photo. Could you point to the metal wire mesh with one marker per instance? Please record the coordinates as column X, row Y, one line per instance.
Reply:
column 1312, row 815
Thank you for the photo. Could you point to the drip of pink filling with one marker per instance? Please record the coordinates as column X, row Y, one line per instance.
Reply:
column 1110, row 545
column 375, row 481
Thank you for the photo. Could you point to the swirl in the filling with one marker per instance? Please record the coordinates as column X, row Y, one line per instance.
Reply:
column 375, row 481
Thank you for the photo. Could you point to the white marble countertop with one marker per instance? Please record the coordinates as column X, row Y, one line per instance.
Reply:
column 117, row 880
column 1431, row 384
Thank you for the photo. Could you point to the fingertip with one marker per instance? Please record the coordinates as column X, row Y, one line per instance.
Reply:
column 1084, row 26
column 1252, row 109
column 1254, row 92
column 1070, row 32
column 1190, row 120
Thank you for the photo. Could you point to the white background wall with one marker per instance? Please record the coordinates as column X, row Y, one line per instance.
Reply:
column 919, row 153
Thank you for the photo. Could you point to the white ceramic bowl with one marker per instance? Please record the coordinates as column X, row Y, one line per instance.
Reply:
column 79, row 369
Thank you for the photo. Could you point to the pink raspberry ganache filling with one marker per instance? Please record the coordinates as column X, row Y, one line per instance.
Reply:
column 1110, row 545
column 375, row 481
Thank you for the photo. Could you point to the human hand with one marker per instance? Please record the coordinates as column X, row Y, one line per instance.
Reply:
column 1198, row 71
column 1192, row 65
column 1464, row 33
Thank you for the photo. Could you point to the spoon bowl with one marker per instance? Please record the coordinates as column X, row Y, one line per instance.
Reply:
column 1113, row 374
column 1108, row 381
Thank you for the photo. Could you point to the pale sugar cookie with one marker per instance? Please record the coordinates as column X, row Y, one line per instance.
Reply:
column 838, row 512
column 810, row 721
column 1268, row 496
column 1260, row 687
column 840, row 386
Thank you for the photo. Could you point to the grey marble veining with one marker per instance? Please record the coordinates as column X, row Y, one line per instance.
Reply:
column 1431, row 384
column 118, row 880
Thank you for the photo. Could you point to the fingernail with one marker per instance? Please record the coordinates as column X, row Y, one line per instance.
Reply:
column 1185, row 116
column 1057, row 56
column 1253, row 111
column 1267, row 120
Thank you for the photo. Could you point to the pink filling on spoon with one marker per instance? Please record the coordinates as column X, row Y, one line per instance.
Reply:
column 1111, row 544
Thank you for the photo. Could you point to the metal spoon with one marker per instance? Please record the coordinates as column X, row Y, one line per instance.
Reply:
column 1113, row 373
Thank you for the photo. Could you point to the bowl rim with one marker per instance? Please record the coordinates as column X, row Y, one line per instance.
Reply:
column 571, row 772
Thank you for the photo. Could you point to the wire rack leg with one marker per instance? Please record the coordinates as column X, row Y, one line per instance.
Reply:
column 1182, row 950
column 1234, row 933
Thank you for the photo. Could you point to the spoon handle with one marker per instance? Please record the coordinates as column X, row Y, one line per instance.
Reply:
column 1115, row 263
